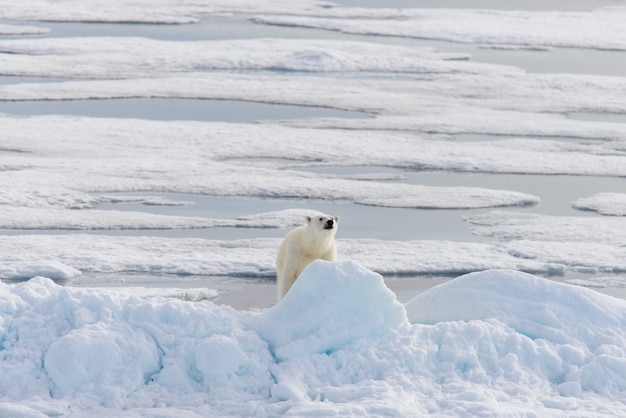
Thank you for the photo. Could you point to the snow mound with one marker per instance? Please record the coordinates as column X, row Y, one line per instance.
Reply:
column 322, row 312
column 584, row 329
column 533, row 306
column 339, row 344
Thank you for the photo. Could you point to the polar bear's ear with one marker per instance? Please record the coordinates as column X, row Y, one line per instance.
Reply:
column 337, row 219
column 308, row 219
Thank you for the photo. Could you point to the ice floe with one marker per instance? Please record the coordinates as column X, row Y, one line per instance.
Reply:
column 536, row 107
column 161, row 12
column 613, row 204
column 517, row 225
column 122, row 57
column 140, row 156
column 25, row 270
column 21, row 30
column 26, row 256
column 72, row 219
column 599, row 29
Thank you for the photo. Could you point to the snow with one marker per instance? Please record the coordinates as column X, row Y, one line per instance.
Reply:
column 290, row 326
column 161, row 12
column 71, row 219
column 517, row 225
column 599, row 282
column 560, row 314
column 612, row 204
column 495, row 342
column 125, row 57
column 469, row 101
column 599, row 29
column 135, row 155
column 491, row 343
column 576, row 256
column 25, row 270
column 72, row 257
column 553, row 311
column 21, row 30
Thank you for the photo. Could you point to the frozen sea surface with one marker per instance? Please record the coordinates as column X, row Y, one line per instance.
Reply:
column 440, row 144
column 152, row 155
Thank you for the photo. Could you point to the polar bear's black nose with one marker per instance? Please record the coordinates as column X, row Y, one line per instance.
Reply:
column 329, row 223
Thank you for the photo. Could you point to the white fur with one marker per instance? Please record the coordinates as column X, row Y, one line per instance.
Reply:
column 303, row 245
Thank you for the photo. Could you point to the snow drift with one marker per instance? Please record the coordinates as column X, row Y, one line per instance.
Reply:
column 490, row 343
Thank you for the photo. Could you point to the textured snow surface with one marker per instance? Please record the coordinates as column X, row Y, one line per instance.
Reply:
column 64, row 257
column 612, row 204
column 600, row 29
column 492, row 343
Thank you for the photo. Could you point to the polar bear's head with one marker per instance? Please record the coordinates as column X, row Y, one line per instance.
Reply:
column 323, row 223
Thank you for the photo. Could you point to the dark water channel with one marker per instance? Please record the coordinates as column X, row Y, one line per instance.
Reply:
column 173, row 109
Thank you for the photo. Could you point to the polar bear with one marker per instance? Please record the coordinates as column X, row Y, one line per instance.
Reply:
column 311, row 241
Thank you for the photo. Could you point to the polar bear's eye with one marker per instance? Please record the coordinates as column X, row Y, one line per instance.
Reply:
column 321, row 219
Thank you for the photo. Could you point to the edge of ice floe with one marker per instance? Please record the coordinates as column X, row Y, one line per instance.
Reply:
column 609, row 204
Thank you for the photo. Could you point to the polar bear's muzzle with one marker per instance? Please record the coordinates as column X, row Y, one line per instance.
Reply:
column 329, row 224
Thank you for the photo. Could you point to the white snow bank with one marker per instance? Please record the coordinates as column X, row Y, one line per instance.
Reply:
column 21, row 30
column 613, row 204
column 511, row 225
column 553, row 311
column 584, row 330
column 440, row 76
column 301, row 322
column 446, row 104
column 576, row 255
column 190, row 294
column 72, row 219
column 256, row 257
column 601, row 29
column 465, row 82
column 458, row 119
column 156, row 255
column 500, row 342
column 614, row 281
column 144, row 200
column 77, row 349
column 56, row 166
column 146, row 11
column 115, row 360
column 126, row 57
column 27, row 270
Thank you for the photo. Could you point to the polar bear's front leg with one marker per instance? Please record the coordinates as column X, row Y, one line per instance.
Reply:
column 285, row 282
